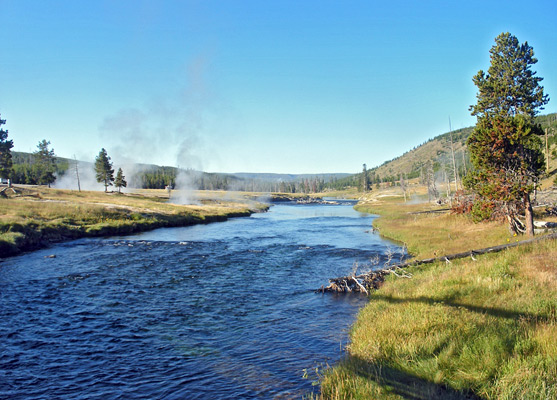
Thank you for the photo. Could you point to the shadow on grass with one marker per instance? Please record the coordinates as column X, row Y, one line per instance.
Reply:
column 495, row 312
column 403, row 384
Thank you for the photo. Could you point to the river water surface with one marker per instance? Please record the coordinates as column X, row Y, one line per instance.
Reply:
column 219, row 311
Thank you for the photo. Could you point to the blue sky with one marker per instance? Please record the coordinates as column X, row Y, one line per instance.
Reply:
column 258, row 86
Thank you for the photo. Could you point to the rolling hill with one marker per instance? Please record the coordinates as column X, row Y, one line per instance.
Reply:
column 438, row 150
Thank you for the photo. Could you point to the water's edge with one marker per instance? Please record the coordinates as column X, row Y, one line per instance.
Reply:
column 208, row 311
column 34, row 239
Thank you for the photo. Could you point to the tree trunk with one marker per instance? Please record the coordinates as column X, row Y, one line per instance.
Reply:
column 529, row 215
column 546, row 151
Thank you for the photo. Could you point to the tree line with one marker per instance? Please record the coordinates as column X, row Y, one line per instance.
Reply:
column 42, row 167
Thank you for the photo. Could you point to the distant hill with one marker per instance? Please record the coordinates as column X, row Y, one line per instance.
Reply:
column 271, row 177
column 438, row 150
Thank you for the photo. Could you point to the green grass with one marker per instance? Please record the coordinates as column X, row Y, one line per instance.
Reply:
column 38, row 216
column 470, row 329
column 432, row 235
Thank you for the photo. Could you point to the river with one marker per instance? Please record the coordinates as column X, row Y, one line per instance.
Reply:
column 219, row 311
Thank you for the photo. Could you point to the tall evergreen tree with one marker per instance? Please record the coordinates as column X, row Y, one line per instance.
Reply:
column 505, row 148
column 5, row 152
column 120, row 180
column 103, row 169
column 45, row 163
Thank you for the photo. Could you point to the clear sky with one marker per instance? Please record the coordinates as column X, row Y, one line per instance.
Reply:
column 253, row 86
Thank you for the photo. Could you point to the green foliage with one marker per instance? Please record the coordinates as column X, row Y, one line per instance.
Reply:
column 103, row 169
column 26, row 170
column 45, row 164
column 120, row 180
column 510, row 87
column 154, row 178
column 504, row 147
column 5, row 152
column 507, row 156
column 483, row 210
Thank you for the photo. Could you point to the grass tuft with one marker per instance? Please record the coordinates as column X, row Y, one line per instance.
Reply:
column 469, row 329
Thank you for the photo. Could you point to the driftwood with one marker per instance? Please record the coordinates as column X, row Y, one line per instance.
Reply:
column 4, row 192
column 545, row 225
column 364, row 283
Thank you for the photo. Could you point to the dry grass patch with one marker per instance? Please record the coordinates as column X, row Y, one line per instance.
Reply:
column 38, row 215
column 433, row 234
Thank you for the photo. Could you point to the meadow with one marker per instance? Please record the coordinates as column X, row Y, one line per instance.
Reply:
column 33, row 217
column 472, row 328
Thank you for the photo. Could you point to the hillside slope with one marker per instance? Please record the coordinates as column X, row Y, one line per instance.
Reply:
column 438, row 150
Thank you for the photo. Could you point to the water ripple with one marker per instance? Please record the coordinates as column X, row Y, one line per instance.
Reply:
column 215, row 311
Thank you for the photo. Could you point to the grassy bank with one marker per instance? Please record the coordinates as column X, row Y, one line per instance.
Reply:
column 469, row 329
column 34, row 217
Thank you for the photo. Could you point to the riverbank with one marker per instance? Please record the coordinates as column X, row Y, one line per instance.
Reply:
column 190, row 308
column 34, row 217
column 481, row 328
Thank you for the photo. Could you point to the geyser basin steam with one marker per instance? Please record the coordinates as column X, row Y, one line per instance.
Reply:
column 184, row 191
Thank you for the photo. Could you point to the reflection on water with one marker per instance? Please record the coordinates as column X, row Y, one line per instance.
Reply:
column 216, row 311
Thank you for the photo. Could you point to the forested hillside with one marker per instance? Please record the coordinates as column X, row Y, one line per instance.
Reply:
column 148, row 176
column 27, row 171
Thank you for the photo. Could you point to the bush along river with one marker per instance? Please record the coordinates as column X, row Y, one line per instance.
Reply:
column 219, row 311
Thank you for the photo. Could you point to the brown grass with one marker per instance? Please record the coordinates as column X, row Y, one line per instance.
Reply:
column 431, row 235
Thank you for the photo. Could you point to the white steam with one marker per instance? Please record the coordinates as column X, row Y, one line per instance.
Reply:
column 166, row 132
column 184, row 191
column 87, row 179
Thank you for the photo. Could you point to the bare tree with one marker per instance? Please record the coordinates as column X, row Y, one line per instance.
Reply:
column 403, row 186
column 77, row 173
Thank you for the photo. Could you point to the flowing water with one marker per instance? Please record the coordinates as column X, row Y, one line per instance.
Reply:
column 218, row 311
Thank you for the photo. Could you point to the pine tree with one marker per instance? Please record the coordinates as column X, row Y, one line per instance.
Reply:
column 103, row 169
column 5, row 152
column 45, row 163
column 120, row 180
column 505, row 149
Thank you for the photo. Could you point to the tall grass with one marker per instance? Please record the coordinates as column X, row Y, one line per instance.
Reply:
column 433, row 234
column 469, row 329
